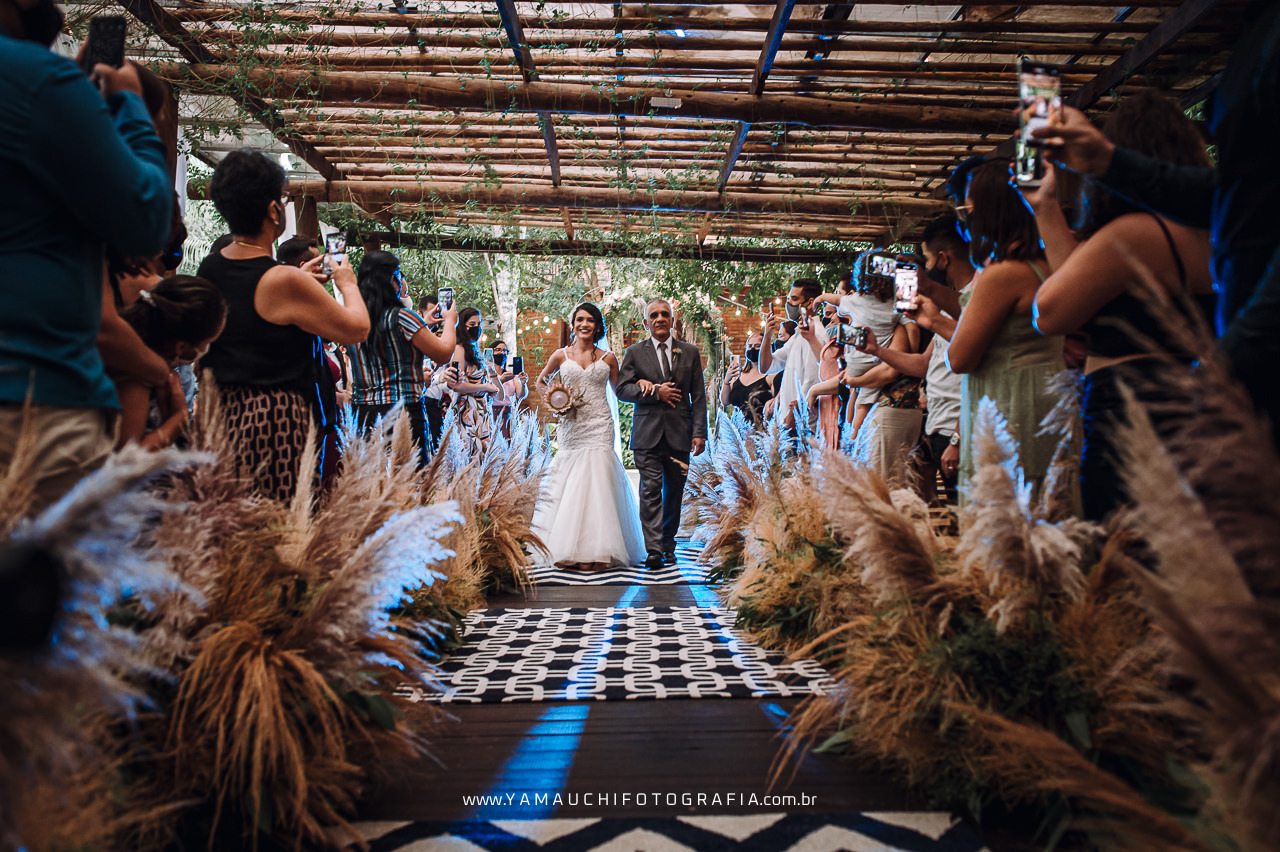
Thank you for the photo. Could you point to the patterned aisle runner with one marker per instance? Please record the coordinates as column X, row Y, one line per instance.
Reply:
column 686, row 570
column 610, row 654
column 646, row 652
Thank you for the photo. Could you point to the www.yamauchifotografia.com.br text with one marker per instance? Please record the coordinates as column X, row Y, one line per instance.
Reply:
column 615, row 800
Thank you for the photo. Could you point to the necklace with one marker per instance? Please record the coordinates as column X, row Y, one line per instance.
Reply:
column 251, row 245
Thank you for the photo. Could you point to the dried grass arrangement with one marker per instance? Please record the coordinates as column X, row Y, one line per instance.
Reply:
column 54, row 697
column 1205, row 503
column 496, row 490
column 283, row 658
column 258, row 634
column 756, row 507
column 1025, row 622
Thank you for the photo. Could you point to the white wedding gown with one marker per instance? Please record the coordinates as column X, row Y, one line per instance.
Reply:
column 588, row 511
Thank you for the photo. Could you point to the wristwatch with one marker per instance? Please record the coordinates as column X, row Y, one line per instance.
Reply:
column 955, row 439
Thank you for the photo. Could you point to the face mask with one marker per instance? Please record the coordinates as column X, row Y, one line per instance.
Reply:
column 753, row 353
column 937, row 273
column 41, row 23
column 776, row 345
column 793, row 312
column 473, row 332
column 500, row 358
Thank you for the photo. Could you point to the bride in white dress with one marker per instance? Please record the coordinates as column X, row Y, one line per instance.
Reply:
column 587, row 514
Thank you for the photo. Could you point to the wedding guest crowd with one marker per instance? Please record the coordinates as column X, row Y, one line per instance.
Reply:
column 1013, row 287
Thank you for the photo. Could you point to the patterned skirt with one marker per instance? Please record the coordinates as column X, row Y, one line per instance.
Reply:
column 269, row 426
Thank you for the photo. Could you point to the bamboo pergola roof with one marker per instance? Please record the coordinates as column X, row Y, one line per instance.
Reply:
column 698, row 123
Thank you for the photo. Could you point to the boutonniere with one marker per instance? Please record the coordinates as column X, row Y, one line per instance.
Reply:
column 675, row 352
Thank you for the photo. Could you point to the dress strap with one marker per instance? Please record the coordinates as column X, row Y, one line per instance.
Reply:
column 1173, row 247
column 1036, row 269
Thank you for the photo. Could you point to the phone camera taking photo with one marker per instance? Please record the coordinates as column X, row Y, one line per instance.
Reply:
column 335, row 252
column 1040, row 105
column 905, row 286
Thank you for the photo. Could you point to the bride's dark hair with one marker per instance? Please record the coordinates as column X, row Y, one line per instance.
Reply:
column 595, row 315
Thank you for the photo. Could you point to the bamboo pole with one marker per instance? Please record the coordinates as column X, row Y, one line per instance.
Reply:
column 371, row 193
column 478, row 94
column 494, row 39
column 444, row 20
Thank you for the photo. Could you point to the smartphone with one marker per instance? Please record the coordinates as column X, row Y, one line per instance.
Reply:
column 517, row 364
column 883, row 265
column 444, row 297
column 105, row 42
column 858, row 337
column 905, row 283
column 335, row 248
column 1039, row 105
column 804, row 318
column 488, row 354
column 735, row 361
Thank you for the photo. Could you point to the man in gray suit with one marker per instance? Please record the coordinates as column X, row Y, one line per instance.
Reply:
column 662, row 376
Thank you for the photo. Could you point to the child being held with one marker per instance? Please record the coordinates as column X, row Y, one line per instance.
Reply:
column 177, row 318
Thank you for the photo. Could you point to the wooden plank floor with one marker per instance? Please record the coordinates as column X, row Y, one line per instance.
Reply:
column 611, row 748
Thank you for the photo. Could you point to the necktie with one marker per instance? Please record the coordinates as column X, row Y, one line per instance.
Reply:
column 666, row 365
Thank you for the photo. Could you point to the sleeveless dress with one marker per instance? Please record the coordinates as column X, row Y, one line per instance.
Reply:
column 1014, row 374
column 587, row 511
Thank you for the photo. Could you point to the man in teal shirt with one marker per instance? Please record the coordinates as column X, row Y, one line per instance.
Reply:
column 78, row 172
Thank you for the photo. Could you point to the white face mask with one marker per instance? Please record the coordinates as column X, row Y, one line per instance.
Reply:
column 407, row 301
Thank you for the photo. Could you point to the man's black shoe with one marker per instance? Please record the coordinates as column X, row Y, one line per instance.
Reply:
column 669, row 558
column 653, row 562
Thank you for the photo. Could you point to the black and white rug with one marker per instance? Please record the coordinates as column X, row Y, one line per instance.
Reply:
column 869, row 832
column 610, row 653
column 686, row 570
column 682, row 572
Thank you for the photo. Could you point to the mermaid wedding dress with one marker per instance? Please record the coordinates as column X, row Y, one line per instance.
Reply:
column 587, row 511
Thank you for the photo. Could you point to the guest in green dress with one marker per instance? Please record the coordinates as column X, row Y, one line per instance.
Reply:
column 993, row 345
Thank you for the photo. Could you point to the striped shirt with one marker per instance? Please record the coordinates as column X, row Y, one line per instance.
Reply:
column 390, row 368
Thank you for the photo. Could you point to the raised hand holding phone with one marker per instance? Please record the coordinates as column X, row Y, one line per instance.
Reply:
column 906, row 284
column 335, row 248
column 1039, row 107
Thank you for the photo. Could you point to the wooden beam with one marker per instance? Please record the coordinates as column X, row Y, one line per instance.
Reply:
column 175, row 35
column 647, row 43
column 705, row 230
column 552, row 248
column 731, row 159
column 216, row 14
column 381, row 194
column 515, row 37
column 1159, row 40
column 961, row 71
column 1173, row 27
column 568, row 221
column 772, row 41
column 483, row 95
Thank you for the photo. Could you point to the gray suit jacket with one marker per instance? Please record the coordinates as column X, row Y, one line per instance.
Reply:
column 653, row 419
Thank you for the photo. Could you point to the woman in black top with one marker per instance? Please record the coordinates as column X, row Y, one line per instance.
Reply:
column 265, row 360
column 1102, row 286
column 745, row 387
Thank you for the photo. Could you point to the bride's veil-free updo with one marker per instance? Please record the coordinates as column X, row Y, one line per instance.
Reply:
column 602, row 342
column 595, row 314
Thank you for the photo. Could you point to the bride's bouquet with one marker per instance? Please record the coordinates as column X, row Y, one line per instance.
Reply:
column 562, row 401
